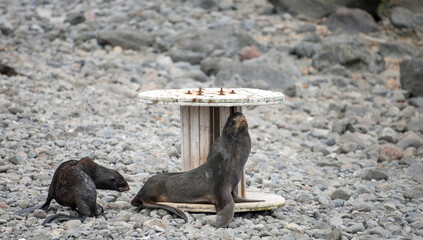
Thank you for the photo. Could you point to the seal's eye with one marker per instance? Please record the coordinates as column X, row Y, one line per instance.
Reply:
column 233, row 122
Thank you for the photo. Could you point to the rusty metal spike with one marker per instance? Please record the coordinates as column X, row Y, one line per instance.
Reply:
column 200, row 92
column 189, row 92
column 232, row 92
column 221, row 92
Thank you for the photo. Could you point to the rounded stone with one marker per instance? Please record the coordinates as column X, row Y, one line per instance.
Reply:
column 340, row 194
column 390, row 152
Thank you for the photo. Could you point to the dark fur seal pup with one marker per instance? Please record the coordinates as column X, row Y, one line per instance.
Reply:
column 74, row 185
column 213, row 182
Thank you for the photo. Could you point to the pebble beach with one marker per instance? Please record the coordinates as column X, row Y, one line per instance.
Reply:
column 345, row 149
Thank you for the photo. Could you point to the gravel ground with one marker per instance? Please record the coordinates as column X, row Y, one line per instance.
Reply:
column 345, row 149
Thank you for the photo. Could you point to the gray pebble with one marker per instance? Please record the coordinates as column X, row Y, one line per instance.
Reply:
column 413, row 193
column 377, row 174
column 39, row 213
column 338, row 202
column 358, row 227
column 389, row 135
column 340, row 194
column 320, row 133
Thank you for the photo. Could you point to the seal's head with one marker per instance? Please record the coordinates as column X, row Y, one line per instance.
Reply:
column 104, row 178
column 236, row 124
column 110, row 179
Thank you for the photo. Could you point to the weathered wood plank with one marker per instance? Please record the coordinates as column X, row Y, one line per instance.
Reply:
column 204, row 133
column 224, row 113
column 195, row 137
column 186, row 138
column 271, row 201
column 215, row 124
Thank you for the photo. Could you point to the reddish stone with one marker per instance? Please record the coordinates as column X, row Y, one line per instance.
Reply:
column 3, row 205
column 249, row 53
column 390, row 152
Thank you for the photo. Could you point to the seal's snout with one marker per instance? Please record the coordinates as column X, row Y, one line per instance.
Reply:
column 124, row 189
column 242, row 122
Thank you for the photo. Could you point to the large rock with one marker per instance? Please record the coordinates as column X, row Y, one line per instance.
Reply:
column 402, row 17
column 414, row 193
column 348, row 52
column 320, row 8
column 416, row 123
column 312, row 8
column 127, row 39
column 410, row 139
column 186, row 56
column 398, row 49
column 411, row 76
column 271, row 71
column 224, row 41
column 351, row 21
column 403, row 13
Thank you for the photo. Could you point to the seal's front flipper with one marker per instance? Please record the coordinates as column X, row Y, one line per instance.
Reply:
column 28, row 210
column 61, row 218
column 176, row 211
column 224, row 215
column 100, row 209
column 238, row 199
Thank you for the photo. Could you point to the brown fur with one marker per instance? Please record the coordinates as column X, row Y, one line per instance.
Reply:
column 74, row 185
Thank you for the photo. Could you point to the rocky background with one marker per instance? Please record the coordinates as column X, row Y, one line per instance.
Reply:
column 345, row 149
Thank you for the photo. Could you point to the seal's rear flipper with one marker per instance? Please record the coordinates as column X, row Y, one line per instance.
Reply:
column 61, row 218
column 238, row 199
column 224, row 216
column 168, row 208
column 28, row 210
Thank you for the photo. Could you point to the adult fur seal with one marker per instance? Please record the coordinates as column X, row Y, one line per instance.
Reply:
column 74, row 185
column 213, row 182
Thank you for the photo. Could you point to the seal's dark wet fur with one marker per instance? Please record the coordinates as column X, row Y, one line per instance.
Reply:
column 74, row 185
column 213, row 182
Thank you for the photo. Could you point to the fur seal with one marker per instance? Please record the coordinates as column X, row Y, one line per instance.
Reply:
column 74, row 185
column 213, row 182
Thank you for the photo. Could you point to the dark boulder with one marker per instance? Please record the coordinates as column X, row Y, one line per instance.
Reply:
column 226, row 41
column 403, row 13
column 321, row 8
column 348, row 52
column 311, row 8
column 402, row 17
column 273, row 70
column 127, row 39
column 411, row 76
column 398, row 49
column 351, row 21
column 249, row 74
column 186, row 56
